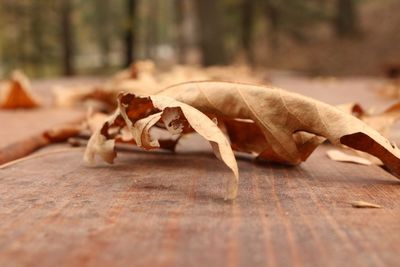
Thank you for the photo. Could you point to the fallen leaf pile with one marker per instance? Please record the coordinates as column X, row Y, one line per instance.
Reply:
column 143, row 78
column 273, row 124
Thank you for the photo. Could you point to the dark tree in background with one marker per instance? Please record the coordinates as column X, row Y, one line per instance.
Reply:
column 130, row 32
column 185, row 34
column 103, row 27
column 180, row 24
column 48, row 38
column 273, row 16
column 37, row 27
column 346, row 19
column 248, row 16
column 211, row 32
column 67, row 37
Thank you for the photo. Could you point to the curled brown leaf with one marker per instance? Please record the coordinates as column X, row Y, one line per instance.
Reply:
column 140, row 114
column 280, row 115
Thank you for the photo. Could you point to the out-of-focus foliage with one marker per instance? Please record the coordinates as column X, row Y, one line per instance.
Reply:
column 48, row 38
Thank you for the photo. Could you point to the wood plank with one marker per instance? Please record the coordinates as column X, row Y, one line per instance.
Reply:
column 153, row 209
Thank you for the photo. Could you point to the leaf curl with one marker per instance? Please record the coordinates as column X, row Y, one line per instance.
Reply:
column 141, row 114
column 281, row 115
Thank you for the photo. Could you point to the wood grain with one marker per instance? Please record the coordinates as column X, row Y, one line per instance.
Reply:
column 161, row 209
column 154, row 209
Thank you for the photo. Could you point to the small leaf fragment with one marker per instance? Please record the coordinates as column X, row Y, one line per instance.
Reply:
column 363, row 204
column 338, row 155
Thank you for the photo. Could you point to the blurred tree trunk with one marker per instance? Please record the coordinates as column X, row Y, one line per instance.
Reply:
column 16, row 51
column 67, row 37
column 37, row 27
column 211, row 32
column 247, row 7
column 147, row 26
column 129, row 37
column 346, row 20
column 273, row 16
column 103, row 31
column 186, row 31
column 152, row 20
column 180, row 23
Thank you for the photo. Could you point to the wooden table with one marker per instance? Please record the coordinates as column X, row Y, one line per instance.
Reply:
column 159, row 209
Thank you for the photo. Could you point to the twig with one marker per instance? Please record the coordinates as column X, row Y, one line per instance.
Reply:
column 23, row 148
column 31, row 144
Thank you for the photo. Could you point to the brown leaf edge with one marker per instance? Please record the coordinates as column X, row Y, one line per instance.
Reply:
column 140, row 114
column 281, row 114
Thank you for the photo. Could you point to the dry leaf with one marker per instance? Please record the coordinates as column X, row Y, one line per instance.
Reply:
column 140, row 114
column 69, row 97
column 354, row 109
column 135, row 70
column 139, row 77
column 391, row 88
column 149, row 83
column 364, row 204
column 93, row 97
column 281, row 115
column 383, row 121
column 17, row 93
column 274, row 124
column 359, row 154
column 94, row 120
column 338, row 155
column 62, row 133
column 143, row 78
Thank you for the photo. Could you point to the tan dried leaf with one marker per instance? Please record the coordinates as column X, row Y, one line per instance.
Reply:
column 62, row 133
column 391, row 88
column 143, row 78
column 381, row 121
column 280, row 115
column 363, row 204
column 94, row 120
column 141, row 114
column 17, row 93
column 92, row 97
column 338, row 155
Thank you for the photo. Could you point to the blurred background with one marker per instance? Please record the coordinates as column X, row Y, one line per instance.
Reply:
column 48, row 38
